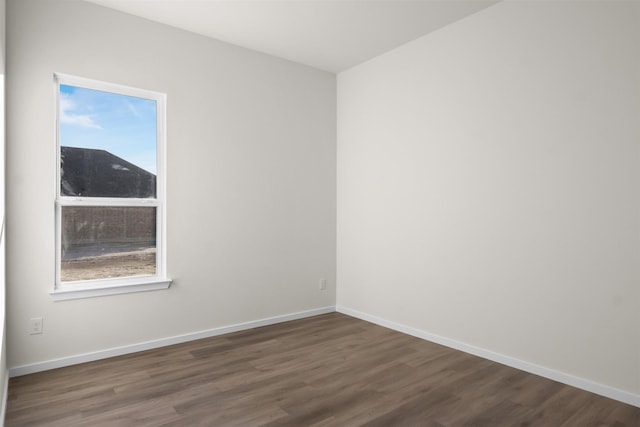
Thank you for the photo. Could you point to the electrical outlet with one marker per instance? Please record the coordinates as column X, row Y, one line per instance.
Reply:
column 35, row 326
column 322, row 284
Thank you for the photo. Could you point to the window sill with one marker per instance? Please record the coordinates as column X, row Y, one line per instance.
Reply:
column 80, row 291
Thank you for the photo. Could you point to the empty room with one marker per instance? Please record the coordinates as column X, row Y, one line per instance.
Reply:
column 320, row 213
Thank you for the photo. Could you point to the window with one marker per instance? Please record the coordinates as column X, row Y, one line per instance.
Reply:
column 110, row 189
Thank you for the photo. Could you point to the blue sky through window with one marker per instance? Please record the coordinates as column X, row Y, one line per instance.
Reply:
column 122, row 125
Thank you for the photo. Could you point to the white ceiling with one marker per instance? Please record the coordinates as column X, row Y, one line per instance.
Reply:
column 331, row 35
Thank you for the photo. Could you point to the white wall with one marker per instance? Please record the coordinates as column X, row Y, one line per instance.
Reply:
column 251, row 179
column 3, row 358
column 2, row 34
column 489, row 186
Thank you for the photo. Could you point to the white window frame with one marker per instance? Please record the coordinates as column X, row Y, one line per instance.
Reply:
column 118, row 285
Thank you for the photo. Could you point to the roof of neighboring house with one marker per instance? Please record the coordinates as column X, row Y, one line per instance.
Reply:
column 97, row 173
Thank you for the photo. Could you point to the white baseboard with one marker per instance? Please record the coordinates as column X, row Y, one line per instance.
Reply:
column 3, row 408
column 119, row 351
column 581, row 383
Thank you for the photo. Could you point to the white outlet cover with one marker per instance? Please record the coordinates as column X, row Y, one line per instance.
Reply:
column 35, row 326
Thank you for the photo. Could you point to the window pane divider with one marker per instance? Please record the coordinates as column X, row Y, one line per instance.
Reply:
column 101, row 201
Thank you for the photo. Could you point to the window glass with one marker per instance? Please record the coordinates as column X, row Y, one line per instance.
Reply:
column 107, row 144
column 107, row 242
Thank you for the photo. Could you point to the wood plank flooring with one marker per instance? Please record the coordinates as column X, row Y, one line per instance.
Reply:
column 329, row 370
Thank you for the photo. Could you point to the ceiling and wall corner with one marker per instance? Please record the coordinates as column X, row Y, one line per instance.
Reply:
column 329, row 35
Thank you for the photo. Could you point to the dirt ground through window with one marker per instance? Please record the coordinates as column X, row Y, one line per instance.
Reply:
column 134, row 263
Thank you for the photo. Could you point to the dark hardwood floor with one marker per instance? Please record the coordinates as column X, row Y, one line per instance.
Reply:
column 330, row 370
